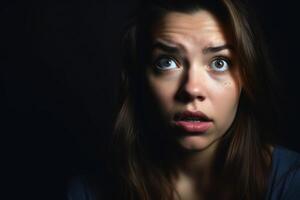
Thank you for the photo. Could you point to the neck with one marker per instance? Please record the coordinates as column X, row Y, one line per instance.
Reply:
column 196, row 170
column 199, row 162
column 195, row 176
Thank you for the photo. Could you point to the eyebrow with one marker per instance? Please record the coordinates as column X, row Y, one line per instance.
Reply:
column 217, row 48
column 176, row 49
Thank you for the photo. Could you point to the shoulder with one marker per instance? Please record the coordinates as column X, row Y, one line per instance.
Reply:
column 284, row 182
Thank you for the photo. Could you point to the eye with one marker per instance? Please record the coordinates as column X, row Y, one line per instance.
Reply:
column 220, row 64
column 166, row 63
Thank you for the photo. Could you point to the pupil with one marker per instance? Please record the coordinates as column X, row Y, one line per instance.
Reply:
column 219, row 63
column 166, row 62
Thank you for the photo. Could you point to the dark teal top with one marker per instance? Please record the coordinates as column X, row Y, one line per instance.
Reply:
column 284, row 182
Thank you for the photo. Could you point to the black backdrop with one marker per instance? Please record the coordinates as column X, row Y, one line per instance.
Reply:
column 59, row 80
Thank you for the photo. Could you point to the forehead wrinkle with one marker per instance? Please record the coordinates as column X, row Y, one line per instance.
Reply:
column 195, row 31
column 186, row 44
column 191, row 21
column 188, row 29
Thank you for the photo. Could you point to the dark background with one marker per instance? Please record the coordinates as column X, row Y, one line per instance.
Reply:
column 59, row 78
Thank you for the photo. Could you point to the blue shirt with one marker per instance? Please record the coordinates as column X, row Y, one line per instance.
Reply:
column 284, row 182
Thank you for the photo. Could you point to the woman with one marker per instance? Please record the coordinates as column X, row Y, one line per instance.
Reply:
column 197, row 109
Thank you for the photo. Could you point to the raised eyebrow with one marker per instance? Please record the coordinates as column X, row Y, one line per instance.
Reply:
column 166, row 47
column 217, row 48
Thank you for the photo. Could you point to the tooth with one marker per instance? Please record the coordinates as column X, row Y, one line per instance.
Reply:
column 192, row 119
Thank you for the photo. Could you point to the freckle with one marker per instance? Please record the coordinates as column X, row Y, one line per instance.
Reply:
column 227, row 84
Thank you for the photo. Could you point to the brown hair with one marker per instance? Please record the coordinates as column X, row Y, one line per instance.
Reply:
column 244, row 155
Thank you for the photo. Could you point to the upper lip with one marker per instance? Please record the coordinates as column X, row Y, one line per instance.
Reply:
column 181, row 115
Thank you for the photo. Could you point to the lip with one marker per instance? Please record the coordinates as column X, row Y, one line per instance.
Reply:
column 199, row 114
column 193, row 126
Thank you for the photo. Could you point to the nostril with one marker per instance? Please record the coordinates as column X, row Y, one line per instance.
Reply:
column 185, row 96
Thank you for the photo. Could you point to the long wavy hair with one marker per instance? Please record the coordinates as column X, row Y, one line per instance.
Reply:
column 140, row 163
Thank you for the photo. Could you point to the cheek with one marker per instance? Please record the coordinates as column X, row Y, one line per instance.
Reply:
column 225, row 101
column 163, row 91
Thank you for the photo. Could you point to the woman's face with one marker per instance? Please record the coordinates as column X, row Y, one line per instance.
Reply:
column 193, row 77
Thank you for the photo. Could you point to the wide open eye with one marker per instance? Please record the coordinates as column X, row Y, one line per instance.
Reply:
column 220, row 64
column 166, row 63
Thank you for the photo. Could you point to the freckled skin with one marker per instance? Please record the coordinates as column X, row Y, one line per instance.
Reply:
column 214, row 93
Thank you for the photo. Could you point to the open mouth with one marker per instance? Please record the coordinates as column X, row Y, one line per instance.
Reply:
column 191, row 116
column 193, row 121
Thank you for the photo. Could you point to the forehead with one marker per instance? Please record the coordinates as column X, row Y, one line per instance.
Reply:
column 201, row 27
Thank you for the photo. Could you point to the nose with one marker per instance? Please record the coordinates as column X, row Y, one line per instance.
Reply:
column 193, row 85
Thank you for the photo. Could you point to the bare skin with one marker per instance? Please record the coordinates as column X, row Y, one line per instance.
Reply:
column 190, row 69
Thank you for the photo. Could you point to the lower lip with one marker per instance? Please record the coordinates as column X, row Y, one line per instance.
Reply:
column 194, row 126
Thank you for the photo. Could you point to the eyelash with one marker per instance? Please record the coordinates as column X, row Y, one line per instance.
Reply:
column 226, row 59
column 159, row 58
column 164, row 56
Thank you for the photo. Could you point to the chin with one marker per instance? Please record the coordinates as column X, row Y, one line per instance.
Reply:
column 194, row 143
